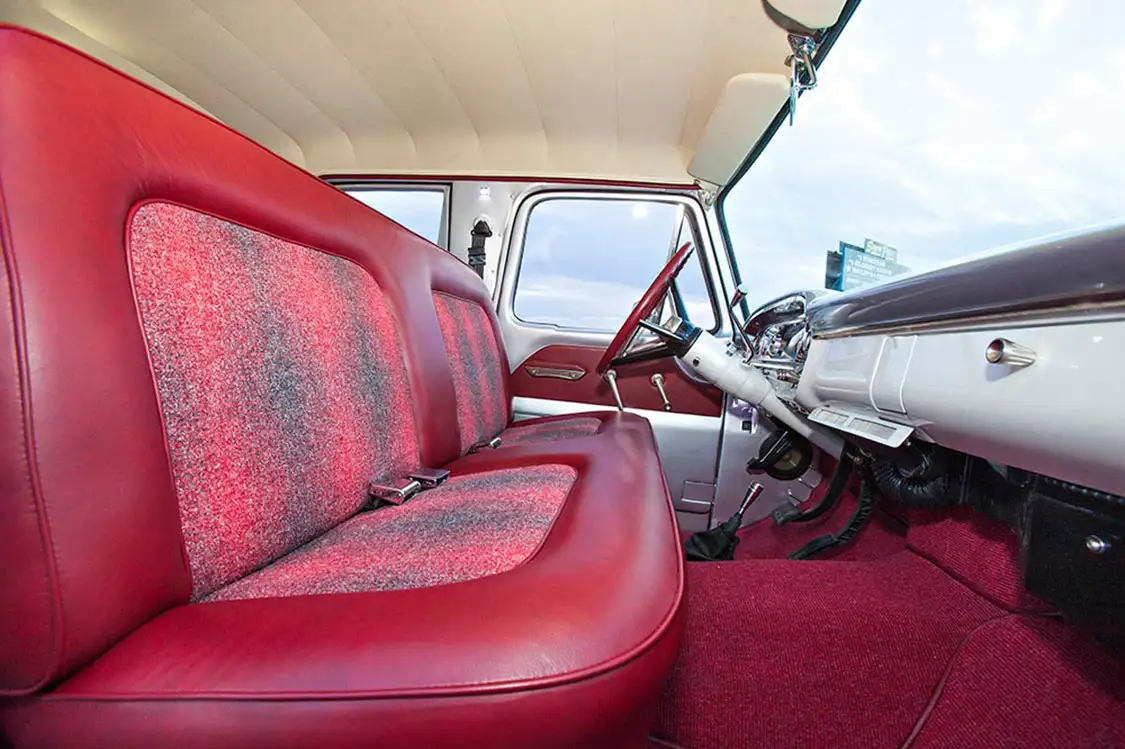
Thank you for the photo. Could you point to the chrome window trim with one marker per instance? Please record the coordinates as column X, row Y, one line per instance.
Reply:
column 375, row 184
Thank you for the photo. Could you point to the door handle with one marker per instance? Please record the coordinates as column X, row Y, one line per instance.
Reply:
column 570, row 374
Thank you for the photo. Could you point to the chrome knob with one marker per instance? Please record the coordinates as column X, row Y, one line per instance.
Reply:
column 1097, row 544
column 1003, row 351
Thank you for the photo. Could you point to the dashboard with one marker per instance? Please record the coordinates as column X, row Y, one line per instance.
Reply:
column 995, row 384
column 1025, row 373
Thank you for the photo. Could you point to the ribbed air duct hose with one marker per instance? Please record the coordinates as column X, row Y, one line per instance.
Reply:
column 925, row 484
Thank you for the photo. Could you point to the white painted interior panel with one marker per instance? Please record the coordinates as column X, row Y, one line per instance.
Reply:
column 1060, row 416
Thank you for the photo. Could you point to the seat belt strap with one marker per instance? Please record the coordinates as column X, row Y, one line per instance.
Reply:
column 480, row 232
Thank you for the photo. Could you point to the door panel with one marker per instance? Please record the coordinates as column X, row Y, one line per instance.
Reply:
column 589, row 255
column 549, row 371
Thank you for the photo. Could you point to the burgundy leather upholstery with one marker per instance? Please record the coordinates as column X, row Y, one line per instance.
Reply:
column 99, row 643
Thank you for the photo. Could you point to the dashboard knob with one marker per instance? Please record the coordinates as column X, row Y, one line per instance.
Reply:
column 1003, row 351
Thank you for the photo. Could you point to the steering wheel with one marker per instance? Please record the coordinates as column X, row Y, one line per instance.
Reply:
column 638, row 318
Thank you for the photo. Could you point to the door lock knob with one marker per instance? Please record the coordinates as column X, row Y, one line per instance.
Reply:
column 658, row 383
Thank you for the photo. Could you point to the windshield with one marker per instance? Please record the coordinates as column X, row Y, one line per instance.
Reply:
column 941, row 128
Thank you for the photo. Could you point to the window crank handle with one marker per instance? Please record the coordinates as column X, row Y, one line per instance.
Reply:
column 658, row 383
column 611, row 377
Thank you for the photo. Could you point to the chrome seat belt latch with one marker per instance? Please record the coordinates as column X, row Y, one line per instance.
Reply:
column 394, row 492
column 398, row 491
column 491, row 444
column 429, row 477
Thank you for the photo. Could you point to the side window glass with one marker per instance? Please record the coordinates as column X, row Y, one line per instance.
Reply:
column 423, row 211
column 587, row 261
column 691, row 283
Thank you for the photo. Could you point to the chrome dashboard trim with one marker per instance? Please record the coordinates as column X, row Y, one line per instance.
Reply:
column 1079, row 274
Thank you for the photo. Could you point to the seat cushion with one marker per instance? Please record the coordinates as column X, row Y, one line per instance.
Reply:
column 471, row 526
column 552, row 428
column 567, row 649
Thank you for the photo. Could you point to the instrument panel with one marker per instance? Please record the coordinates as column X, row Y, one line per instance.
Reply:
column 776, row 339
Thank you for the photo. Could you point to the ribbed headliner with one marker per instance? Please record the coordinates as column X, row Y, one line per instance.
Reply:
column 610, row 88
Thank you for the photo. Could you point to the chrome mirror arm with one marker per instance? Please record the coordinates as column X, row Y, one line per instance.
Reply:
column 736, row 299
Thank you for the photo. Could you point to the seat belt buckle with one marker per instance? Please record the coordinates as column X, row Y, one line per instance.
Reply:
column 395, row 492
column 491, row 444
column 429, row 477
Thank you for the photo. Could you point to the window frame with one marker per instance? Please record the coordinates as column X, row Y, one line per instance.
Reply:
column 513, row 255
column 351, row 186
column 823, row 48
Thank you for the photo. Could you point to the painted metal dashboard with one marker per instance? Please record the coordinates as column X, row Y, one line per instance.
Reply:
column 914, row 355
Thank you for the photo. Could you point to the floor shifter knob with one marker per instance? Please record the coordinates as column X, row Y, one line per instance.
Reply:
column 751, row 494
column 719, row 543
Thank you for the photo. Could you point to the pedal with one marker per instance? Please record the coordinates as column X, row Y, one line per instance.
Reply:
column 784, row 513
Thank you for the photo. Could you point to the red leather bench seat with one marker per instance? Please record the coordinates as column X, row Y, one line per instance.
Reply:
column 210, row 353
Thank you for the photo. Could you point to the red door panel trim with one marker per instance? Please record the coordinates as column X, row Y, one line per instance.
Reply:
column 634, row 381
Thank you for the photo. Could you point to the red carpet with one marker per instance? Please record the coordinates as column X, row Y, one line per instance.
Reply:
column 873, row 653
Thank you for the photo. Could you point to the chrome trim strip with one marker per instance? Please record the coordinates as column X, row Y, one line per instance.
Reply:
column 526, row 408
column 558, row 373
column 1080, row 273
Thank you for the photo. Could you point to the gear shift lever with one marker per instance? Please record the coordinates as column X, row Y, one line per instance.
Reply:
column 719, row 543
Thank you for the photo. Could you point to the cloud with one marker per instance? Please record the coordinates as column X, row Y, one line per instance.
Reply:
column 1000, row 126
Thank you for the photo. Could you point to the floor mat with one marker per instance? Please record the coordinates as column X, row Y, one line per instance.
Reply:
column 794, row 654
column 1027, row 682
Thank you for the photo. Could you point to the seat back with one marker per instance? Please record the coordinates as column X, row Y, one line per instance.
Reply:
column 281, row 386
column 207, row 352
column 480, row 371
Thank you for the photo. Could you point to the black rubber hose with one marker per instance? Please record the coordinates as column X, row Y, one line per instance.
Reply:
column 926, row 485
column 836, row 488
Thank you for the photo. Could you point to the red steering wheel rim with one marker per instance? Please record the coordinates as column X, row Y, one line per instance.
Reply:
column 649, row 301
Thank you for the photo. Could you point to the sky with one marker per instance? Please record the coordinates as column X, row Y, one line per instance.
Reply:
column 586, row 262
column 943, row 128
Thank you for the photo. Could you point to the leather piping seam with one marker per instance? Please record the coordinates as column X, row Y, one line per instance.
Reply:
column 560, row 417
column 499, row 687
column 528, row 686
column 127, row 244
column 31, row 464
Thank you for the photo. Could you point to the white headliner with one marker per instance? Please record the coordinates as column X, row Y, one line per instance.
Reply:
column 594, row 88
